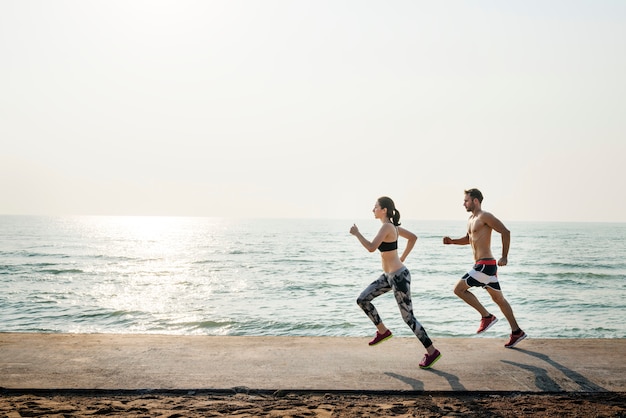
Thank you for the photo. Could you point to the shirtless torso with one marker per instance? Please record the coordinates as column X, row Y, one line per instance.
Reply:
column 479, row 227
column 479, row 234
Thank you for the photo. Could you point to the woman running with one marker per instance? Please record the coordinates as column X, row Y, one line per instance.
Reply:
column 395, row 277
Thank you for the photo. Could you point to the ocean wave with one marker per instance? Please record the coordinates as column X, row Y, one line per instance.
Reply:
column 202, row 280
column 61, row 271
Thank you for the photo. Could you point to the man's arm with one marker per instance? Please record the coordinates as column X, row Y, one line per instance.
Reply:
column 457, row 241
column 495, row 224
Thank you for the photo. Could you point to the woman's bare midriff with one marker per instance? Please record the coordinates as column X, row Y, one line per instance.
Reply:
column 391, row 262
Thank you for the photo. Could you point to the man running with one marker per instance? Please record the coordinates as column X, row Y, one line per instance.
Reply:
column 484, row 273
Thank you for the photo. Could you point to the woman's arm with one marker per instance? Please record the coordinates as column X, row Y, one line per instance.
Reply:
column 411, row 240
column 371, row 246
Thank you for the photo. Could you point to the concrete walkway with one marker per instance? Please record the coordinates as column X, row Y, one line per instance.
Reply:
column 160, row 362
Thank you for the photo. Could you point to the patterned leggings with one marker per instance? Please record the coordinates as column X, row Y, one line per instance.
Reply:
column 400, row 282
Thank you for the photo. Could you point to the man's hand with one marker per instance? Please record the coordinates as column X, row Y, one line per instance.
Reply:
column 503, row 261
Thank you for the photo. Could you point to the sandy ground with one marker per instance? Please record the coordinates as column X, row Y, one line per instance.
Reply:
column 55, row 375
column 68, row 404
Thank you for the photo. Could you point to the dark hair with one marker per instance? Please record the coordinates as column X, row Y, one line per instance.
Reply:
column 392, row 213
column 475, row 194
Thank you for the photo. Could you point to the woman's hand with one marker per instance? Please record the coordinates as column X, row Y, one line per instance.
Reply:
column 354, row 229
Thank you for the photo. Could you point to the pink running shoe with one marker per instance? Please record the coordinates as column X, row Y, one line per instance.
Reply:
column 379, row 338
column 515, row 339
column 486, row 323
column 428, row 361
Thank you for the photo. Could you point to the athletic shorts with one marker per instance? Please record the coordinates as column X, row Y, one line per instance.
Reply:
column 484, row 274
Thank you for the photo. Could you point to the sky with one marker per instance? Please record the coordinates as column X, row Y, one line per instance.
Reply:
column 313, row 109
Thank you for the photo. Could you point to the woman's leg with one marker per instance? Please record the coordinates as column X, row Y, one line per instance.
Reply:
column 401, row 284
column 376, row 288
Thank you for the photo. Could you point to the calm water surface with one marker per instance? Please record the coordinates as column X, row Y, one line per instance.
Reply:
column 293, row 277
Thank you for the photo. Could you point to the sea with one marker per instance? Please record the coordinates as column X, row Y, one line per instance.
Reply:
column 295, row 277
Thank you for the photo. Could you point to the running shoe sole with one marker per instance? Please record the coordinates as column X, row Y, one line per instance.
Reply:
column 488, row 326
column 431, row 363
column 516, row 341
column 380, row 341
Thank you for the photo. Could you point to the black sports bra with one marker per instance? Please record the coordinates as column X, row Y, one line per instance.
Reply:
column 388, row 246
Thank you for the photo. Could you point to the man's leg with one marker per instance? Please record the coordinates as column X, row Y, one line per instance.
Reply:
column 505, row 307
column 462, row 290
